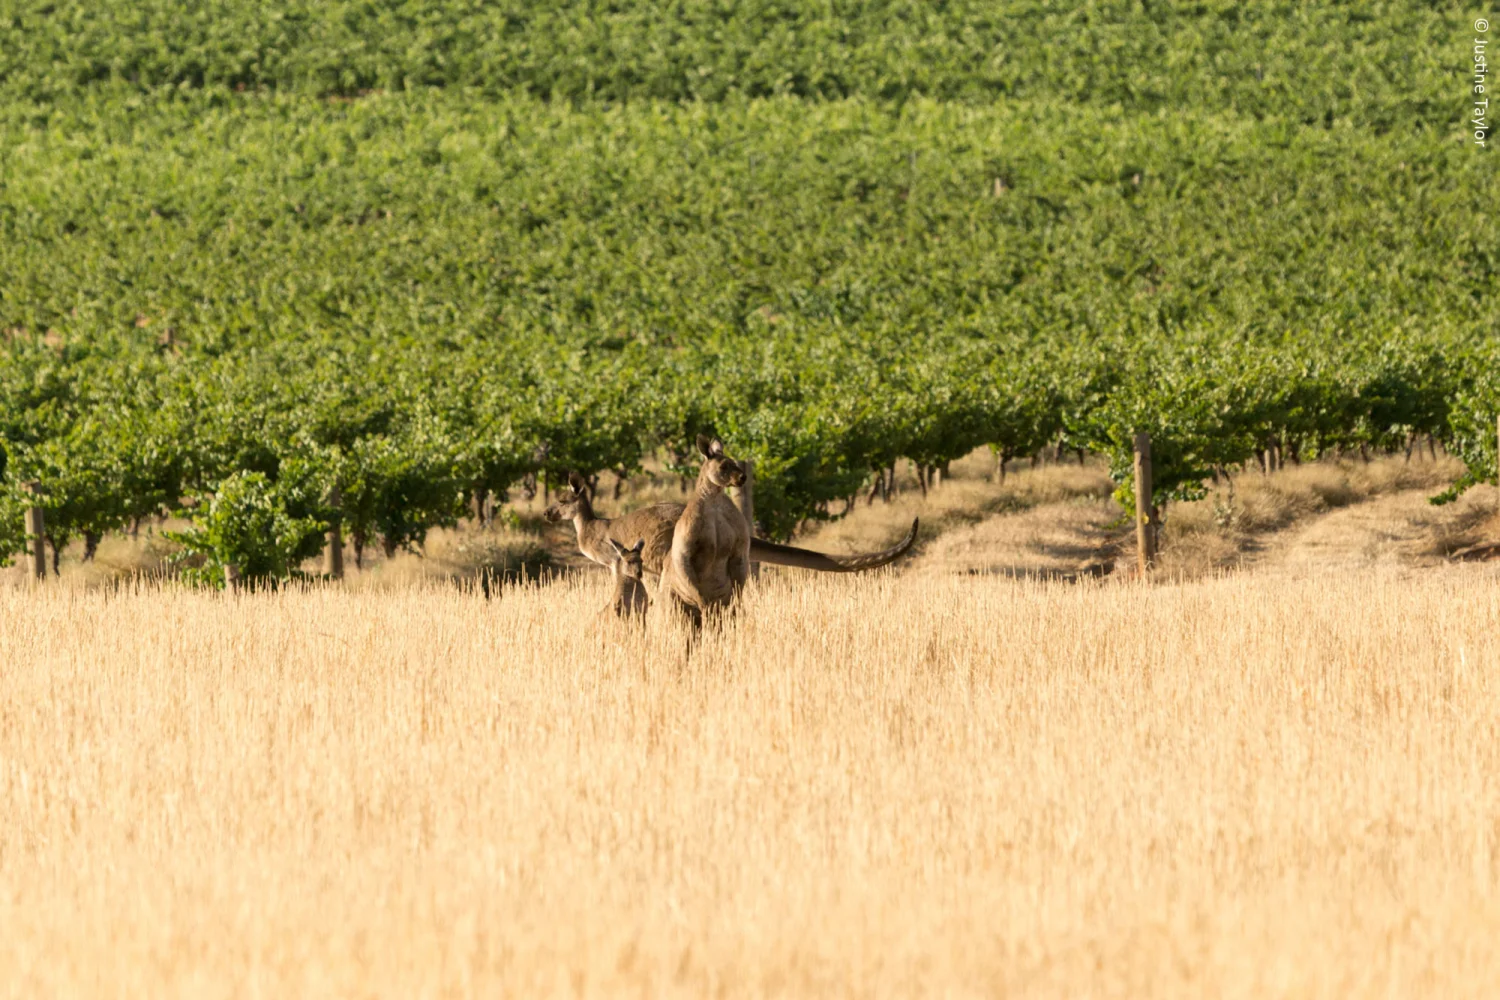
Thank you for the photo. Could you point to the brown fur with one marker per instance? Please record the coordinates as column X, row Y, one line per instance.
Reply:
column 654, row 525
column 710, row 558
column 631, row 599
column 772, row 554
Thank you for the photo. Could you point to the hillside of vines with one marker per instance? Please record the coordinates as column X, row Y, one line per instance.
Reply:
column 406, row 251
column 1376, row 63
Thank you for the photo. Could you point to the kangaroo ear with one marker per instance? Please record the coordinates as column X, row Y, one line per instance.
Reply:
column 705, row 446
column 715, row 449
column 579, row 484
column 620, row 550
column 639, row 546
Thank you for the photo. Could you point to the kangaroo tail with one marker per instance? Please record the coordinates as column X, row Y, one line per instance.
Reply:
column 773, row 554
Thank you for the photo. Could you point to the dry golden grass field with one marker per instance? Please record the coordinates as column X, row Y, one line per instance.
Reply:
column 931, row 784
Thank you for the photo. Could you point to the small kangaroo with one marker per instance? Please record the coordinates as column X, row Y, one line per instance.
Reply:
column 631, row 599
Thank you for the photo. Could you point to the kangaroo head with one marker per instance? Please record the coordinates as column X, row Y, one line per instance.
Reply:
column 630, row 559
column 571, row 502
column 718, row 467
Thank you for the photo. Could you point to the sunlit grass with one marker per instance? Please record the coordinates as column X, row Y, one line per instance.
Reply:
column 864, row 785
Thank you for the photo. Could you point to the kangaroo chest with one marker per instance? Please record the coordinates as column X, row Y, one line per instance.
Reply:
column 721, row 532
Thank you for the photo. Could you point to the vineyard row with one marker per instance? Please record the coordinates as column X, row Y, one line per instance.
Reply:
column 249, row 300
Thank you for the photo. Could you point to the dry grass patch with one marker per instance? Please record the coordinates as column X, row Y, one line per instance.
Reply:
column 1265, row 503
column 1231, row 526
column 146, row 554
column 457, row 555
column 964, row 500
column 1473, row 519
column 1053, row 540
column 862, row 786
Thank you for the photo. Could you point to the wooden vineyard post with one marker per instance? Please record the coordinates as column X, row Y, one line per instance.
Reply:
column 334, row 557
column 232, row 577
column 744, row 499
column 1145, row 536
column 36, row 528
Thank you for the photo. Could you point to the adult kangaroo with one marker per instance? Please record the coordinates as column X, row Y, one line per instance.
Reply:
column 710, row 557
column 654, row 525
column 597, row 536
